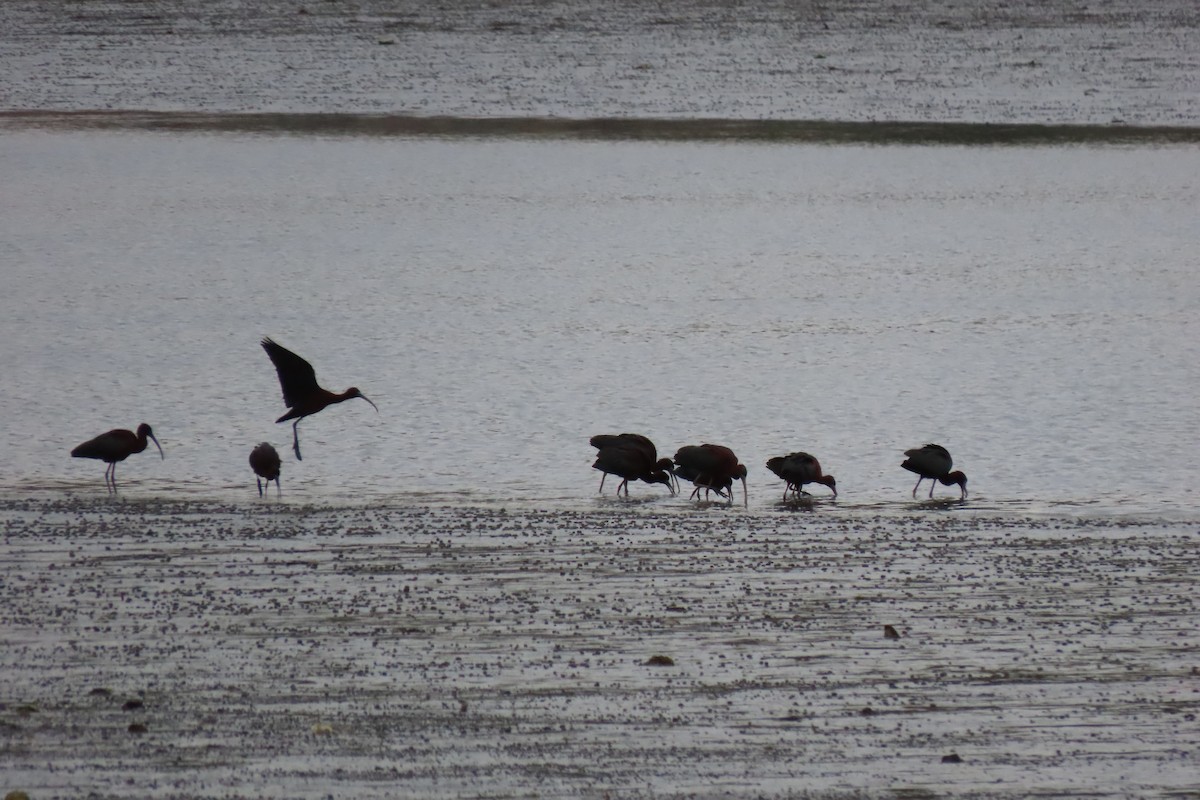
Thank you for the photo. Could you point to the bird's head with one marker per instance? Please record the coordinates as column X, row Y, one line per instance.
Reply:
column 829, row 481
column 659, row 476
column 144, row 432
column 354, row 392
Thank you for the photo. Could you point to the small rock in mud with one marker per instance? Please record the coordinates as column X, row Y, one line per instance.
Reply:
column 137, row 727
column 100, row 691
column 660, row 661
column 16, row 795
column 953, row 758
column 890, row 633
column 132, row 705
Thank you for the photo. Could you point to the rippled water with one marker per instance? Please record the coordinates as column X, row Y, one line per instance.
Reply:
column 1032, row 309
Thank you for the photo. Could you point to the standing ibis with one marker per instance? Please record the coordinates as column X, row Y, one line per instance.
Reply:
column 933, row 461
column 301, row 394
column 264, row 460
column 711, row 466
column 114, row 446
column 631, row 456
column 797, row 469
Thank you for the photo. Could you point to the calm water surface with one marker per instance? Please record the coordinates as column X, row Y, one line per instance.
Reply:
column 1033, row 309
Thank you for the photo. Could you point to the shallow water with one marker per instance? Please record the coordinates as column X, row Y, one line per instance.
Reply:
column 1032, row 309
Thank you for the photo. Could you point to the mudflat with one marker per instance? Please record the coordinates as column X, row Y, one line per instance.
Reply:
column 156, row 648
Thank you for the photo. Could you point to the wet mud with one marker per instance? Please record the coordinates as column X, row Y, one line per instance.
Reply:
column 198, row 649
column 1114, row 62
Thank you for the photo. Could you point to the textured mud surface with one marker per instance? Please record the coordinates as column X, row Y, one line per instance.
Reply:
column 157, row 649
column 1113, row 61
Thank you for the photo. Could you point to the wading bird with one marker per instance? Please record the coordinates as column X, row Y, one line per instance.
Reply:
column 631, row 456
column 933, row 461
column 711, row 466
column 114, row 446
column 797, row 469
column 301, row 394
column 264, row 460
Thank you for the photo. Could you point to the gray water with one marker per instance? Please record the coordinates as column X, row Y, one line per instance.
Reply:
column 1032, row 309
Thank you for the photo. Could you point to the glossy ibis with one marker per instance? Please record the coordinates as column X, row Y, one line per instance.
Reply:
column 632, row 457
column 711, row 466
column 797, row 469
column 301, row 394
column 264, row 460
column 114, row 446
column 933, row 461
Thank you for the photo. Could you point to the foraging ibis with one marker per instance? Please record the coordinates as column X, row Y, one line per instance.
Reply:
column 711, row 466
column 933, row 461
column 115, row 446
column 264, row 460
column 632, row 457
column 797, row 469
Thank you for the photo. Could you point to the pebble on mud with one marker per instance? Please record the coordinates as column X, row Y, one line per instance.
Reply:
column 16, row 795
column 660, row 661
column 132, row 705
column 137, row 727
column 953, row 758
column 890, row 633
column 322, row 729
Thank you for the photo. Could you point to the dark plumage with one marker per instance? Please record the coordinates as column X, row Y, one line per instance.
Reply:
column 264, row 460
column 301, row 393
column 797, row 469
column 711, row 467
column 114, row 446
column 933, row 461
column 632, row 457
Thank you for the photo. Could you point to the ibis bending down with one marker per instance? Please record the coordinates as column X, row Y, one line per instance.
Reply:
column 114, row 446
column 264, row 460
column 631, row 456
column 711, row 466
column 301, row 394
column 797, row 469
column 933, row 461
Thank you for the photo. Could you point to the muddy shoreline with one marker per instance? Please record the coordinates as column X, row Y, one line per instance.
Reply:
column 270, row 650
column 790, row 131
column 1107, row 63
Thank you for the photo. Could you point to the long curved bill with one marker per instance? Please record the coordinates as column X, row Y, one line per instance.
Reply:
column 159, row 446
column 364, row 397
column 745, row 495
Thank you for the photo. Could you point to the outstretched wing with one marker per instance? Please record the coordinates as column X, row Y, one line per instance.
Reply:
column 296, row 376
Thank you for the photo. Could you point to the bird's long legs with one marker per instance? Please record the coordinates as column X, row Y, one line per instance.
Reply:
column 603, row 475
column 296, row 440
column 110, row 477
column 258, row 480
column 917, row 486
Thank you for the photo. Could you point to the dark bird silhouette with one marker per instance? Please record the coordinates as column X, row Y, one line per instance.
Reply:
column 114, row 446
column 631, row 456
column 301, row 394
column 797, row 469
column 711, row 467
column 264, row 460
column 933, row 461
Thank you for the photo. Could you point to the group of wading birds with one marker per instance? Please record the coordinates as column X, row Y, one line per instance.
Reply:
column 712, row 468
